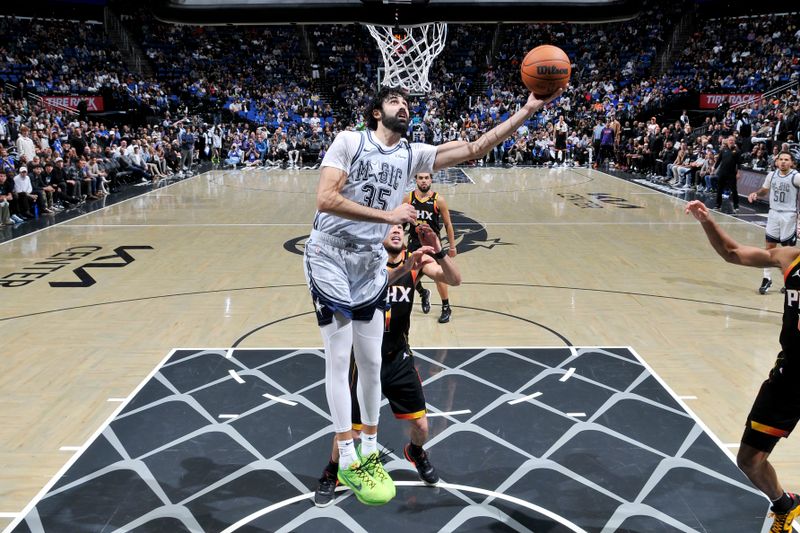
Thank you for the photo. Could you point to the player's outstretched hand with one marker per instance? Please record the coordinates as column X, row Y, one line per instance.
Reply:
column 415, row 260
column 403, row 214
column 535, row 104
column 698, row 210
column 428, row 238
column 752, row 197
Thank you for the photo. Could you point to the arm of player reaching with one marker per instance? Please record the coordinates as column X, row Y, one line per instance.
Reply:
column 442, row 268
column 733, row 252
column 448, row 226
column 330, row 200
column 455, row 152
column 761, row 191
column 414, row 261
column 754, row 195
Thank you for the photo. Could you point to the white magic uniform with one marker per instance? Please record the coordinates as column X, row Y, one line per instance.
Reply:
column 782, row 217
column 344, row 260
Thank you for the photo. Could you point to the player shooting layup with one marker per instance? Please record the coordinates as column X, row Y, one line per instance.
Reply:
column 363, row 178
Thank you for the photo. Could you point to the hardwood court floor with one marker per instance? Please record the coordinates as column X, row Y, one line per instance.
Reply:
column 549, row 257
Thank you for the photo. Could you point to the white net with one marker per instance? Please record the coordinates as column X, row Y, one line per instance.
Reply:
column 408, row 53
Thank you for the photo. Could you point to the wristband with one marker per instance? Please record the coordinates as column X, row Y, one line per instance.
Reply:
column 439, row 255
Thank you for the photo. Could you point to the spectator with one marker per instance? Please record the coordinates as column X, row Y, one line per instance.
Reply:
column 6, row 198
column 187, row 140
column 23, row 194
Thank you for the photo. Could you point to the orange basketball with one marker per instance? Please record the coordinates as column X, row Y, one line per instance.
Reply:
column 545, row 70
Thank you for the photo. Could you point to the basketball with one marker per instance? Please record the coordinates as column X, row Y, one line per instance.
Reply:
column 545, row 70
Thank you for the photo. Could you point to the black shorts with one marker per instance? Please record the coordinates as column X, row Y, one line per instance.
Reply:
column 401, row 385
column 776, row 409
column 791, row 241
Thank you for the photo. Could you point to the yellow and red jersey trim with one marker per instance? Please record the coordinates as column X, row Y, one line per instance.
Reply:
column 410, row 416
column 769, row 430
column 789, row 268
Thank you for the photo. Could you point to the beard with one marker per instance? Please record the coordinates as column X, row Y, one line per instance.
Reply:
column 392, row 248
column 397, row 125
column 423, row 188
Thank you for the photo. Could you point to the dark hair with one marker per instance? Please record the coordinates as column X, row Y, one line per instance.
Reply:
column 787, row 152
column 377, row 103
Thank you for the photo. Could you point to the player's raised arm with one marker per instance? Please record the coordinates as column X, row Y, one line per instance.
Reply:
column 450, row 154
column 330, row 200
column 733, row 252
column 448, row 227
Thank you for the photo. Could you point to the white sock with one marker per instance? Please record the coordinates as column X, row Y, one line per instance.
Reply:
column 347, row 453
column 369, row 444
column 767, row 273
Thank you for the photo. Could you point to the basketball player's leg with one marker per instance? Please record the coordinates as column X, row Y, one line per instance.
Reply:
column 781, row 229
column 369, row 287
column 325, row 493
column 444, row 295
column 367, row 351
column 774, row 415
column 367, row 339
column 337, row 337
column 402, row 386
column 766, row 281
column 326, row 272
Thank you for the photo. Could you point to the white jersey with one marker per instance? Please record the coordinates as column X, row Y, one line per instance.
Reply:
column 377, row 177
column 783, row 190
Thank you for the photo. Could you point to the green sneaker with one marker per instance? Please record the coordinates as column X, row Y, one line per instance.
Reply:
column 362, row 484
column 373, row 464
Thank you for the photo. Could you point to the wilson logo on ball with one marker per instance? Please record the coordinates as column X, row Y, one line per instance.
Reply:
column 551, row 70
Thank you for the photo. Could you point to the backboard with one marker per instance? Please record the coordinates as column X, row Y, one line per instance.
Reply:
column 389, row 12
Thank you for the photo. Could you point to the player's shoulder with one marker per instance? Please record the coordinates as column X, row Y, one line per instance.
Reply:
column 418, row 146
column 349, row 135
column 787, row 257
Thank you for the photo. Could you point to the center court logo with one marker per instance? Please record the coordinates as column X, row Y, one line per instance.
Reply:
column 469, row 233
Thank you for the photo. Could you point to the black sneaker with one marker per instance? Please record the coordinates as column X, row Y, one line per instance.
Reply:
column 445, row 317
column 326, row 490
column 766, row 283
column 426, row 301
column 425, row 469
column 782, row 522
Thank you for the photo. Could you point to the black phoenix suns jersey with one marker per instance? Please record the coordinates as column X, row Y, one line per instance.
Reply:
column 427, row 213
column 400, row 300
column 790, row 334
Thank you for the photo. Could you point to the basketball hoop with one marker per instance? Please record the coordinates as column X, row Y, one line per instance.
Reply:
column 408, row 53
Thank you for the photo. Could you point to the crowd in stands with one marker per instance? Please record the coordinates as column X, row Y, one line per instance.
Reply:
column 748, row 55
column 49, row 57
column 253, row 96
